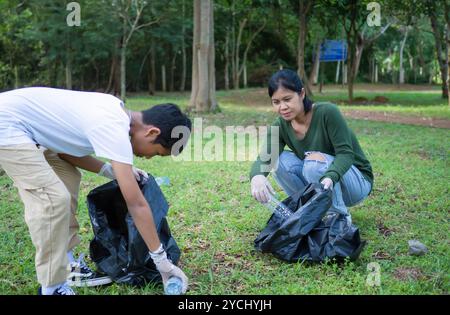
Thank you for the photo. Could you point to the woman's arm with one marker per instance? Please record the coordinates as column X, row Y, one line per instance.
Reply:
column 268, row 156
column 341, row 138
column 87, row 162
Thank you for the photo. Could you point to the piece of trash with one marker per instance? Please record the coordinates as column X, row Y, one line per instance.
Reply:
column 278, row 208
column 162, row 181
column 174, row 286
column 416, row 248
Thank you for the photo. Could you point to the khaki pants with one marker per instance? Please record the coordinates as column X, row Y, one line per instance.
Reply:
column 48, row 187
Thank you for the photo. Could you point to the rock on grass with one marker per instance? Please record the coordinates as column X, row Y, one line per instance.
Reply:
column 416, row 248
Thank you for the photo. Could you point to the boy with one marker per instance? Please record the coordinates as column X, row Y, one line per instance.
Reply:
column 46, row 134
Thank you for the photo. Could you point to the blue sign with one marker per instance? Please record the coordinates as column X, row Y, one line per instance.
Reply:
column 333, row 50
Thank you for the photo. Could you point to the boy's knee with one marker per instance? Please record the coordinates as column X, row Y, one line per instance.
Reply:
column 61, row 198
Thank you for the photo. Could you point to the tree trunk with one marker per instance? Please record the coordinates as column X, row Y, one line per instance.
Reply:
column 321, row 77
column 376, row 72
column 69, row 71
column 304, row 6
column 401, row 79
column 112, row 72
column 447, row 20
column 16, row 77
column 203, row 58
column 213, row 106
column 344, row 74
column 237, row 65
column 183, row 52
column 123, row 60
column 352, row 74
column 438, row 43
column 203, row 99
column 245, row 75
column 123, row 83
column 195, row 47
column 172, row 71
column 227, row 62
column 336, row 80
column 315, row 68
column 233, row 42
column 152, row 69
column 163, row 78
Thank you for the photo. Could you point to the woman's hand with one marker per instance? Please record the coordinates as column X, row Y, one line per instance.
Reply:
column 261, row 188
column 327, row 183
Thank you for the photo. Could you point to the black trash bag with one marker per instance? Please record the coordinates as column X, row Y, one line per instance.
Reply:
column 118, row 249
column 309, row 235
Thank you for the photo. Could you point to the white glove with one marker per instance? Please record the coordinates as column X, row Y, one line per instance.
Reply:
column 327, row 183
column 261, row 188
column 167, row 269
column 107, row 171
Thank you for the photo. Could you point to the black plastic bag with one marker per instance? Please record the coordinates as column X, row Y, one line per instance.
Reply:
column 309, row 235
column 118, row 249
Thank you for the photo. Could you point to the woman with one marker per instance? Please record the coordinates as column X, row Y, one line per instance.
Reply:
column 323, row 148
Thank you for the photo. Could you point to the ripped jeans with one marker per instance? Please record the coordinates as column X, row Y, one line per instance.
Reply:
column 293, row 174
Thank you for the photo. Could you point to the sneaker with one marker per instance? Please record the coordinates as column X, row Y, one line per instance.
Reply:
column 61, row 290
column 82, row 276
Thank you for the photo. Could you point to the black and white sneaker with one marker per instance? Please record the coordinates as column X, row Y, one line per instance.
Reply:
column 82, row 276
column 62, row 290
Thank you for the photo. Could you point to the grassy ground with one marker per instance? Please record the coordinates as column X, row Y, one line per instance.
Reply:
column 215, row 220
column 421, row 101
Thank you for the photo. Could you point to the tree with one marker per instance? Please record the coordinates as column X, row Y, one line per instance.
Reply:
column 305, row 7
column 203, row 94
column 447, row 20
column 353, row 14
column 247, row 23
column 130, row 13
column 432, row 10
column 15, row 24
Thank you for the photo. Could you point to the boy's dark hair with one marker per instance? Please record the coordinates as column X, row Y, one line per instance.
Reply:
column 289, row 80
column 166, row 117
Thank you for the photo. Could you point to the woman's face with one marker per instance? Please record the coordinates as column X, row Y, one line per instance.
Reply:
column 288, row 104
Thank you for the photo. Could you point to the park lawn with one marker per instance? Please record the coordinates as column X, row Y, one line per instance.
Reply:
column 215, row 220
column 422, row 103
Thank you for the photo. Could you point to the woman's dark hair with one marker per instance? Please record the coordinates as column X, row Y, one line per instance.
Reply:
column 166, row 117
column 289, row 80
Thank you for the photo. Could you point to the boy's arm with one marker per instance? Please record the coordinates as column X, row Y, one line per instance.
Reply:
column 137, row 205
column 88, row 163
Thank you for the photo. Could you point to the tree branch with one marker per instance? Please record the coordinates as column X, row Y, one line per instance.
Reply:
column 248, row 45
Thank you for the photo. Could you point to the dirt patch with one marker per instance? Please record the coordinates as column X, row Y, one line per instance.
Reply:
column 381, row 255
column 380, row 99
column 397, row 118
column 377, row 100
column 384, row 230
column 404, row 273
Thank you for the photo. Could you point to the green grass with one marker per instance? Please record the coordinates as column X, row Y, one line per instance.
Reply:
column 215, row 220
column 426, row 102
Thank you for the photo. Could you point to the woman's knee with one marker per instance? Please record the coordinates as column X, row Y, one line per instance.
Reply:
column 286, row 161
column 315, row 165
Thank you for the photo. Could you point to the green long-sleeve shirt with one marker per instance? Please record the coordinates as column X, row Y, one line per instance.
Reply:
column 328, row 133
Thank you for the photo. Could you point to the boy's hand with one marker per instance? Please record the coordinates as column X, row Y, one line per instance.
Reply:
column 107, row 171
column 168, row 269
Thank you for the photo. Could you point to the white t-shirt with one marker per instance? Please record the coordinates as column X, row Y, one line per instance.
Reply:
column 65, row 121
